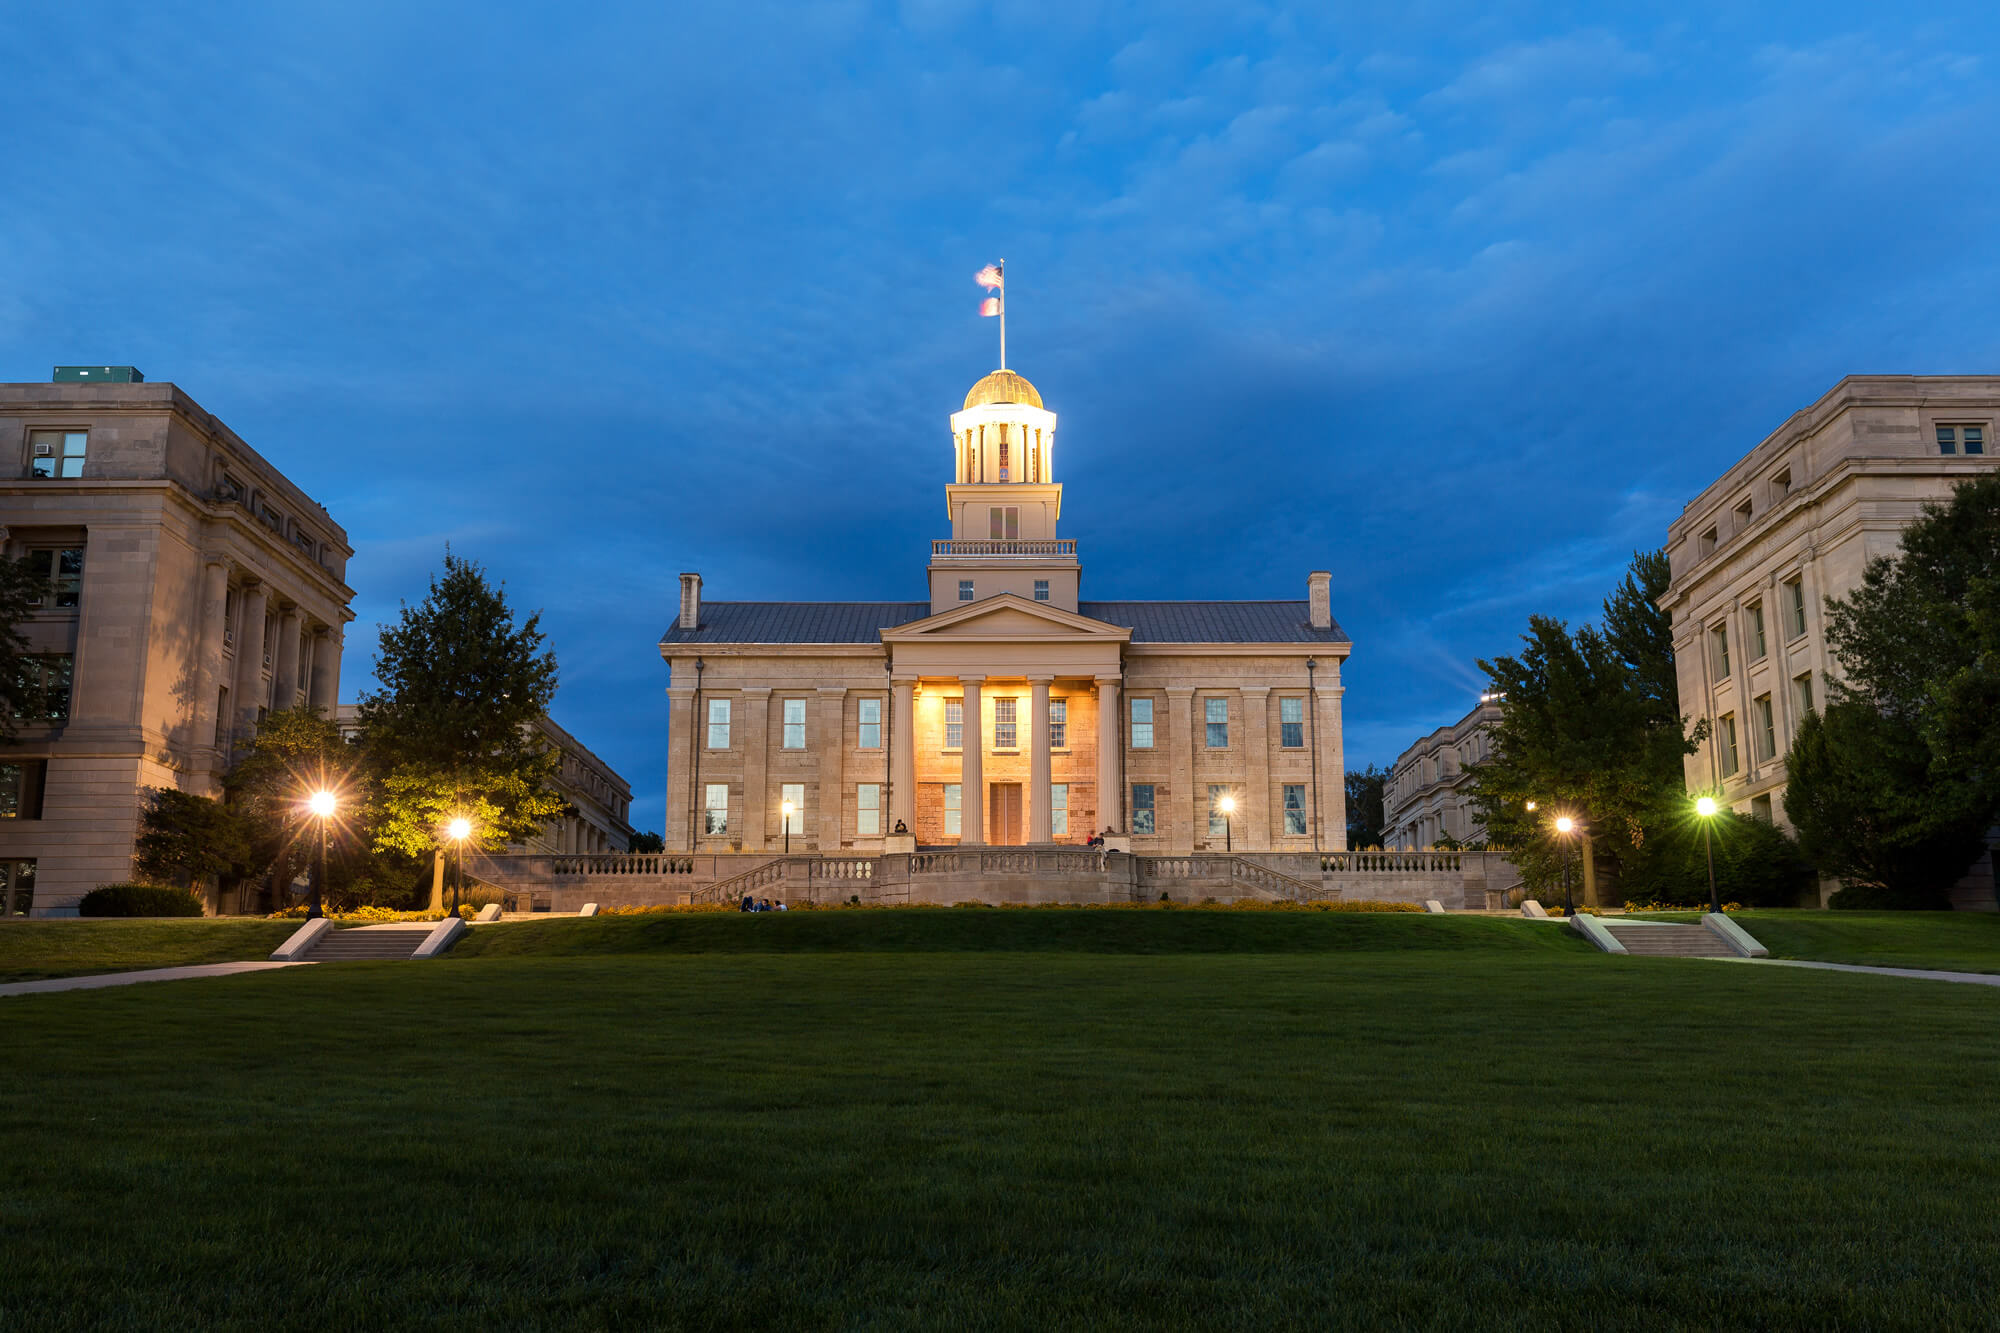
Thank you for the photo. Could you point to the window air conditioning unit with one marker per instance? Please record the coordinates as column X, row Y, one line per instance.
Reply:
column 43, row 449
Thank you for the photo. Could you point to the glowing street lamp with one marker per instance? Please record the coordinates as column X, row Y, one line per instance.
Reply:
column 321, row 806
column 1228, row 807
column 1565, row 826
column 1706, row 808
column 786, row 809
column 458, row 831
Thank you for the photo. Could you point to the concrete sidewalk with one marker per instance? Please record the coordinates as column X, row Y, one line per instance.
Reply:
column 1973, row 978
column 102, row 979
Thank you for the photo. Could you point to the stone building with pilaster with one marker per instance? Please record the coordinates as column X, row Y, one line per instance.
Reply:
column 190, row 588
column 1005, row 709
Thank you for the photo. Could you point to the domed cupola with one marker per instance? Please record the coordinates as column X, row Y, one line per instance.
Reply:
column 1003, row 386
column 1004, row 434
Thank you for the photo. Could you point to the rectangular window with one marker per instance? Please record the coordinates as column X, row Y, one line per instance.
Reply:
column 1292, row 723
column 1003, row 724
column 56, row 453
column 793, row 794
column 305, row 657
column 1975, row 439
column 45, row 683
column 1767, row 729
column 1216, row 711
column 965, row 590
column 1058, row 809
column 1802, row 693
column 17, row 887
column 1760, row 808
column 1725, row 742
column 1718, row 642
column 1744, row 513
column 1041, row 590
column 1781, row 484
column 718, row 724
column 1295, row 807
column 1004, row 521
column 1947, row 438
column 868, row 810
column 1142, row 807
column 1217, row 821
column 1706, row 542
column 952, row 815
column 871, row 725
column 1003, row 453
column 58, row 576
column 954, row 724
column 21, row 788
column 228, row 616
column 795, row 724
column 715, row 809
column 1755, row 612
column 1795, row 608
column 1142, row 724
column 1058, row 724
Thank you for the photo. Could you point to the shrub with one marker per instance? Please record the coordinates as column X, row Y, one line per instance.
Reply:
column 139, row 900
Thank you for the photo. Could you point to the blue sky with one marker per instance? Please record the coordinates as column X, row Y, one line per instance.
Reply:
column 1462, row 306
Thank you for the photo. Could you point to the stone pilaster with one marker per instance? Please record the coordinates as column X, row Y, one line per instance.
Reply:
column 211, row 734
column 755, row 739
column 1258, row 812
column 1186, row 820
column 248, row 692
column 972, row 782
column 1039, row 816
column 903, row 770
column 1110, row 758
column 832, row 745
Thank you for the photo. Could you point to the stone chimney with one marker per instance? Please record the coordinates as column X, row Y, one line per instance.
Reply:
column 691, row 601
column 1319, row 599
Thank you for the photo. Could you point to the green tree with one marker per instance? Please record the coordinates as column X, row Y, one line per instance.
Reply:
column 1858, row 790
column 648, row 842
column 1590, row 726
column 452, row 730
column 296, row 752
column 21, row 690
column 185, row 838
column 1367, row 823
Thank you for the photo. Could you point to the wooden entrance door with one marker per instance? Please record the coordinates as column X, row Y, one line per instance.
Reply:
column 1003, row 824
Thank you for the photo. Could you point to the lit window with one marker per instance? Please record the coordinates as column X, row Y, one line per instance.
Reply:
column 795, row 724
column 1756, row 613
column 1041, row 590
column 1142, row 724
column 1795, row 607
column 17, row 887
column 58, row 576
column 954, row 724
column 952, row 815
column 56, row 453
column 1295, row 807
column 1217, row 821
column 718, row 724
column 1058, row 724
column 1725, row 742
column 715, row 808
column 21, row 788
column 871, row 724
column 1216, row 711
column 868, row 809
column 1718, row 639
column 1003, row 724
column 1003, row 453
column 965, row 590
column 1802, row 693
column 1292, row 723
column 1142, row 807
column 795, row 792
column 1767, row 731
column 1058, row 809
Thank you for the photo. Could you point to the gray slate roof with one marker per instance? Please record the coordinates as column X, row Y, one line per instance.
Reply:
column 863, row 622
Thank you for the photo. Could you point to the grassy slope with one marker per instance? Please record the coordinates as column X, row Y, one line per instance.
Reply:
column 35, row 950
column 952, row 930
column 1951, row 941
column 1005, row 1140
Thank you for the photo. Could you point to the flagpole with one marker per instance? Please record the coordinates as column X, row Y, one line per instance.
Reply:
column 1003, row 313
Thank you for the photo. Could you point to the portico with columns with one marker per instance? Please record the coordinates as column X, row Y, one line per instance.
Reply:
column 1005, row 709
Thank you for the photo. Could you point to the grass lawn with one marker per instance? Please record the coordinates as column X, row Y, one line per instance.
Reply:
column 34, row 950
column 1523, row 1134
column 1949, row 941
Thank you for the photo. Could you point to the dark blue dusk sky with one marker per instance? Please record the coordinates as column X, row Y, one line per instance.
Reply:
column 1461, row 306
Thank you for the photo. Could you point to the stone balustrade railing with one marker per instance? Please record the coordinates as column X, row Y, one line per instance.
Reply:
column 1391, row 863
column 1057, row 546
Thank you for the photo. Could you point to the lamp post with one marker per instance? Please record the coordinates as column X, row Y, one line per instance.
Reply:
column 321, row 803
column 1566, row 826
column 1228, row 807
column 1706, row 808
column 459, row 830
column 785, row 808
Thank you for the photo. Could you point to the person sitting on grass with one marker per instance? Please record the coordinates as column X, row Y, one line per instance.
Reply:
column 784, row 906
column 749, row 904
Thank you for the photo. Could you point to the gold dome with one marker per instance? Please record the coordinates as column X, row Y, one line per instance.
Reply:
column 1003, row 386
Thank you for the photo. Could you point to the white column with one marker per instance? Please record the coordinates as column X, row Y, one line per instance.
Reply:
column 903, row 768
column 285, row 674
column 972, row 781
column 325, row 694
column 1039, row 795
column 211, row 669
column 1110, row 758
column 248, row 691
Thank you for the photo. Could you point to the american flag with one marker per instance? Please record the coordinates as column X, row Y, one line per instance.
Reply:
column 990, row 277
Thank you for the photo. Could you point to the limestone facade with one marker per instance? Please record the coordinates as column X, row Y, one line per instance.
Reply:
column 1428, row 798
column 192, row 587
column 1005, row 709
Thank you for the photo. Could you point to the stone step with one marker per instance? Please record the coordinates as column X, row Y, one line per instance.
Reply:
column 368, row 944
column 1670, row 941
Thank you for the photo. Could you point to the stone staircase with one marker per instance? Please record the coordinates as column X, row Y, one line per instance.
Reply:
column 368, row 942
column 1659, row 939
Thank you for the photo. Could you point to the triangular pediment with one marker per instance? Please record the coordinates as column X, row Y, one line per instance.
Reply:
column 1007, row 616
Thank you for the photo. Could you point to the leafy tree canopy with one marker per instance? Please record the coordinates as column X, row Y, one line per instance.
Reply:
column 184, row 838
column 1367, row 822
column 21, row 692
